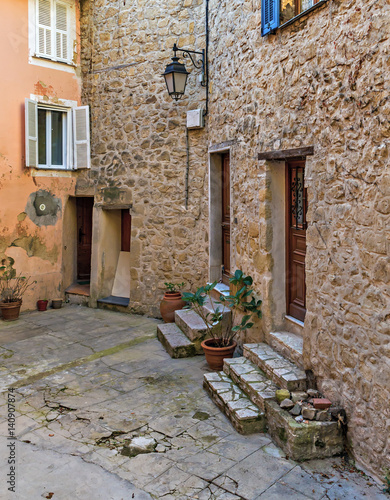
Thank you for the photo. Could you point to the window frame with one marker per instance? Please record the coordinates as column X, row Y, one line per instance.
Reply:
column 66, row 137
column 70, row 6
column 76, row 134
column 271, row 31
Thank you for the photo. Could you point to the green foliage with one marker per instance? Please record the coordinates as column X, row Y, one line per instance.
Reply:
column 12, row 285
column 173, row 287
column 225, row 332
column 387, row 482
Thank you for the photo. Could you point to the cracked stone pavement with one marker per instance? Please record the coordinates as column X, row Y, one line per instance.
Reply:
column 87, row 381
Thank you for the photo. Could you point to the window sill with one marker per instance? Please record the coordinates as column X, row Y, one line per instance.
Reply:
column 48, row 172
column 56, row 61
column 302, row 14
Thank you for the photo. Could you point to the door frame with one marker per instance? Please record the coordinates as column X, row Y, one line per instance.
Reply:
column 215, row 210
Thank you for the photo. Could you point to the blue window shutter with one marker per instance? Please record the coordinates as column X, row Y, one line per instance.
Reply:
column 269, row 15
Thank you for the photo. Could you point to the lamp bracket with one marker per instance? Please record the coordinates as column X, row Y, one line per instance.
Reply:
column 199, row 63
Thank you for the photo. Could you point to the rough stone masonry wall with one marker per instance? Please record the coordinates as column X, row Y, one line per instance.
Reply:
column 139, row 137
column 323, row 81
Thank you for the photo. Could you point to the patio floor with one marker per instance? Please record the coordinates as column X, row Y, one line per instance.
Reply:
column 87, row 381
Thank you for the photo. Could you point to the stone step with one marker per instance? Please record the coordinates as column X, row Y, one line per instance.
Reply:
column 243, row 414
column 174, row 341
column 251, row 380
column 288, row 344
column 191, row 324
column 277, row 368
column 220, row 289
column 211, row 305
column 303, row 441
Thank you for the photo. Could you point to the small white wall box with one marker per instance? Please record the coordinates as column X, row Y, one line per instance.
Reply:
column 195, row 118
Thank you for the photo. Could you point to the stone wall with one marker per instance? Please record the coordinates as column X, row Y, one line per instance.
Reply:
column 323, row 81
column 139, row 152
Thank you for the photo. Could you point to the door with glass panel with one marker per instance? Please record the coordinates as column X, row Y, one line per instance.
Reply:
column 296, row 196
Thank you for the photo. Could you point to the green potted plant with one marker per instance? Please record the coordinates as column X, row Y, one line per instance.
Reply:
column 220, row 339
column 12, row 288
column 171, row 302
column 42, row 304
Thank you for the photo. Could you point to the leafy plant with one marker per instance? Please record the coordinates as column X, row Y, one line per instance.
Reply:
column 224, row 332
column 12, row 285
column 173, row 287
column 387, row 484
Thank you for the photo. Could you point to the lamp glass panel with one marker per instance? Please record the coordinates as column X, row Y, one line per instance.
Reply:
column 169, row 82
column 180, row 82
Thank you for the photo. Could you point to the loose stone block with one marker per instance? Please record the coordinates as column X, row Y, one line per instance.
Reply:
column 309, row 413
column 299, row 396
column 302, row 441
column 281, row 395
column 287, row 404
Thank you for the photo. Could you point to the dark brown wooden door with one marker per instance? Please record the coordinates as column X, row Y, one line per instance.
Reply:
column 125, row 230
column 296, row 240
column 225, row 219
column 84, row 238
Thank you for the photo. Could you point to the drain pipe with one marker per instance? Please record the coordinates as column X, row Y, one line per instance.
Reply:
column 207, row 58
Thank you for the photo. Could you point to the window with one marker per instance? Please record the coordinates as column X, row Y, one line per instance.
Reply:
column 57, row 137
column 275, row 13
column 55, row 30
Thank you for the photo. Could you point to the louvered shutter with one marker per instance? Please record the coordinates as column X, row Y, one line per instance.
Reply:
column 45, row 27
column 81, row 145
column 269, row 15
column 61, row 32
column 31, row 132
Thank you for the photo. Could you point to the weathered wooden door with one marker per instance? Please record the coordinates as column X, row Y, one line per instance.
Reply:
column 84, row 238
column 225, row 219
column 296, row 239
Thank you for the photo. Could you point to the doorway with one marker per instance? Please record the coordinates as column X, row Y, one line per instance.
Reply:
column 226, row 272
column 84, row 239
column 296, row 206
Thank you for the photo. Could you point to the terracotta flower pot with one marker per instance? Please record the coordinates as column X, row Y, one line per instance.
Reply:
column 171, row 302
column 42, row 305
column 56, row 303
column 216, row 355
column 10, row 310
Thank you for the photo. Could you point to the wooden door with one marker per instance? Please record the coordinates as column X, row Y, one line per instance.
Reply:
column 296, row 197
column 225, row 219
column 84, row 238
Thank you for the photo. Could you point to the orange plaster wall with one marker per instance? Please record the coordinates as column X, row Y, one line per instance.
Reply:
column 40, row 255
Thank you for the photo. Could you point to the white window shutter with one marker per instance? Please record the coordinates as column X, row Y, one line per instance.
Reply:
column 81, row 138
column 31, row 131
column 61, row 31
column 44, row 34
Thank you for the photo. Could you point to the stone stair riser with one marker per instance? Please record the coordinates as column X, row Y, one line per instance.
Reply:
column 256, row 392
column 191, row 326
column 175, row 342
column 253, row 423
column 287, row 351
column 278, row 375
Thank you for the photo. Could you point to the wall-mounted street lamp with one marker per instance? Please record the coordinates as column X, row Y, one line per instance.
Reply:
column 176, row 74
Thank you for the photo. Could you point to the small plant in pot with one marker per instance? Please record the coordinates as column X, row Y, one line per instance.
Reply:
column 171, row 302
column 220, row 339
column 42, row 304
column 12, row 288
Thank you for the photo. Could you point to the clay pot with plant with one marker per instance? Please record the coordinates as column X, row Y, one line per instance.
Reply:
column 12, row 288
column 42, row 304
column 220, row 338
column 171, row 302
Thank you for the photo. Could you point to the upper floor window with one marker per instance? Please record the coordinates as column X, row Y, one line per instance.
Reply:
column 275, row 13
column 57, row 137
column 55, row 29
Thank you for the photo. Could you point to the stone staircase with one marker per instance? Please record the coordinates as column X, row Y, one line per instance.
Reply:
column 183, row 338
column 245, row 392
